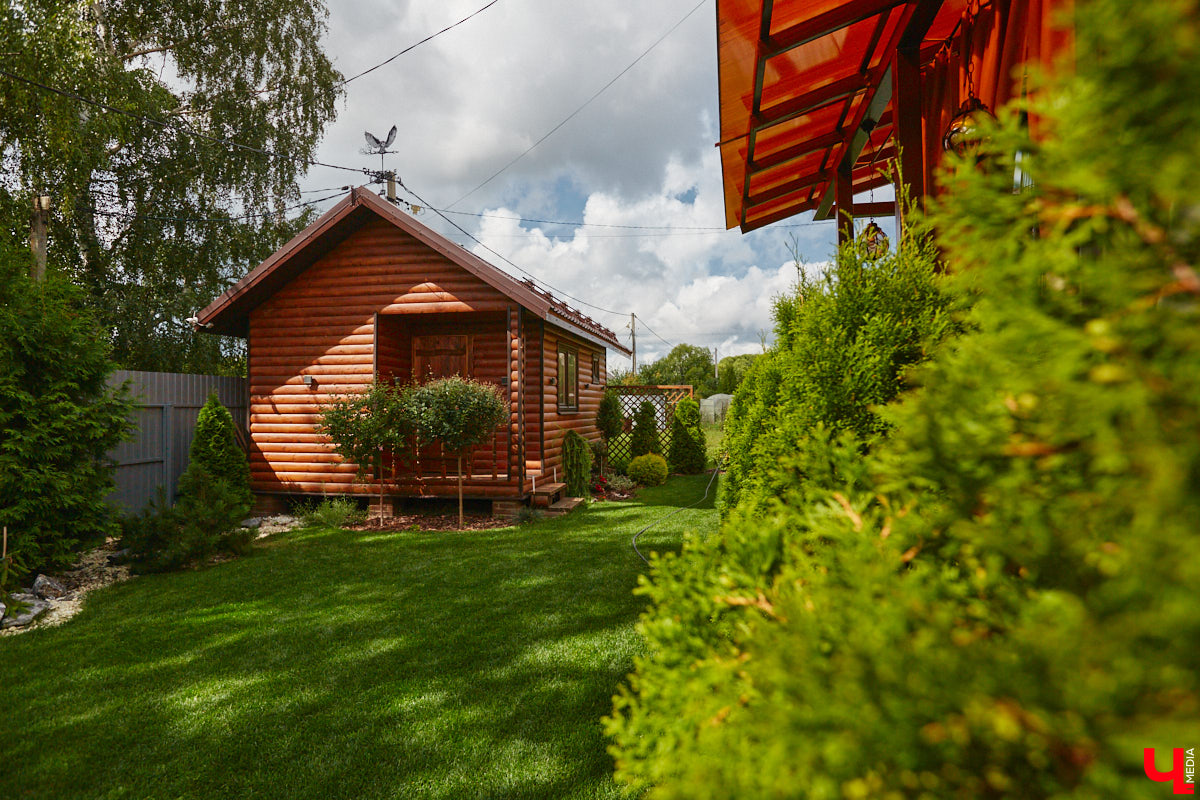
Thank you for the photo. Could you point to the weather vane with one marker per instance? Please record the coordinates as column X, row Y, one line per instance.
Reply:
column 375, row 146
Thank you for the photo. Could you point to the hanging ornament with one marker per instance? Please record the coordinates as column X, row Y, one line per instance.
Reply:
column 963, row 134
column 874, row 241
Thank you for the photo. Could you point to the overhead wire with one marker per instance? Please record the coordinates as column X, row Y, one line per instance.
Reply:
column 503, row 258
column 169, row 125
column 417, row 44
column 239, row 218
column 585, row 104
column 580, row 224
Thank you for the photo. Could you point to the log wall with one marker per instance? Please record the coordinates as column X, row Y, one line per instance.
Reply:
column 323, row 324
column 591, row 388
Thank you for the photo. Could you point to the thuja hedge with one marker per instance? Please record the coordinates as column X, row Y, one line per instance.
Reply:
column 997, row 596
column 58, row 417
column 844, row 340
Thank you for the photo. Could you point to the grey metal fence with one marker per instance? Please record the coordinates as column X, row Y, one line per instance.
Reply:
column 168, row 405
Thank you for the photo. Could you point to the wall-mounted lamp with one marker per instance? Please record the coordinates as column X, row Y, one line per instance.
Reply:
column 504, row 381
column 310, row 380
column 554, row 381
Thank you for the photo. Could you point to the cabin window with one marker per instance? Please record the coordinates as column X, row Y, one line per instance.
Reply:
column 596, row 368
column 568, row 379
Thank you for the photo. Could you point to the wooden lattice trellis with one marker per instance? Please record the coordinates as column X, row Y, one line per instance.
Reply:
column 663, row 398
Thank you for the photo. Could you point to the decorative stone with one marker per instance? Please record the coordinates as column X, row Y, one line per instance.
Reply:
column 3, row 608
column 34, row 608
column 119, row 557
column 252, row 522
column 46, row 588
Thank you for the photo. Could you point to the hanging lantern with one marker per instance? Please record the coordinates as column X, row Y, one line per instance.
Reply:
column 963, row 135
column 874, row 241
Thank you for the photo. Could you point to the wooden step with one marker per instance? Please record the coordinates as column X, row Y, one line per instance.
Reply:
column 546, row 494
column 564, row 506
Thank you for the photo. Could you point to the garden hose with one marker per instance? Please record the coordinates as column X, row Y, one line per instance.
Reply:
column 673, row 513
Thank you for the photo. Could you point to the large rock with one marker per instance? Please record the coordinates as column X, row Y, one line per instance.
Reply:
column 47, row 588
column 34, row 608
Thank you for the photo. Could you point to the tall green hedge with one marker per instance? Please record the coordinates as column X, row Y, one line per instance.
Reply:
column 995, row 598
column 844, row 342
column 58, row 418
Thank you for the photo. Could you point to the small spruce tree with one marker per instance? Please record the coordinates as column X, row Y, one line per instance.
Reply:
column 577, row 464
column 645, row 431
column 687, row 453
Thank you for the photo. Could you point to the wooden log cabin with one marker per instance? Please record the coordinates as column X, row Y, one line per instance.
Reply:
column 366, row 291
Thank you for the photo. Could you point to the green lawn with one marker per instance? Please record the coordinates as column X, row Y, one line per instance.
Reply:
column 340, row 664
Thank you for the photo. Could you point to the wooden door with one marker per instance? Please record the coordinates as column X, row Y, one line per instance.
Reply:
column 441, row 357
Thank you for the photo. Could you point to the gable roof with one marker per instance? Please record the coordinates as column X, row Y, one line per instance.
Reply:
column 230, row 313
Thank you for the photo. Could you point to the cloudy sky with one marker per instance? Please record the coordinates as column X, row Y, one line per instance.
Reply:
column 640, row 154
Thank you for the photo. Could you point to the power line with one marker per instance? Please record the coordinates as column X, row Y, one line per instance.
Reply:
column 586, row 103
column 417, row 44
column 506, row 260
column 580, row 224
column 255, row 215
column 661, row 339
column 168, row 125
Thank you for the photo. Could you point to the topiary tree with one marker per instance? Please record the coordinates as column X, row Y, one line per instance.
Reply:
column 58, row 418
column 577, row 464
column 460, row 413
column 687, row 452
column 645, row 431
column 364, row 428
column 649, row 469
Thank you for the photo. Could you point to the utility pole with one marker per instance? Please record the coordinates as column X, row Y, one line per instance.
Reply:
column 716, row 371
column 38, row 222
column 633, row 341
column 391, row 185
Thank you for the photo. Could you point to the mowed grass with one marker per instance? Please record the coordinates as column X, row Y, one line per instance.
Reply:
column 335, row 664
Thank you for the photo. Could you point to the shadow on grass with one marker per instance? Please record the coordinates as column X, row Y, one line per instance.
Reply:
column 338, row 664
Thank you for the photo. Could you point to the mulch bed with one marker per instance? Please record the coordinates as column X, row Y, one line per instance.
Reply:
column 433, row 522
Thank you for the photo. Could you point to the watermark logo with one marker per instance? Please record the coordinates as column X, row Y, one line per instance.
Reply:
column 1183, row 769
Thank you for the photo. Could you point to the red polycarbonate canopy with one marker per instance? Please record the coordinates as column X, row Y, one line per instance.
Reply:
column 802, row 84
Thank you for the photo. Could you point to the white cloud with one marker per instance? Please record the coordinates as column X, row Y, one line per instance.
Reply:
column 641, row 154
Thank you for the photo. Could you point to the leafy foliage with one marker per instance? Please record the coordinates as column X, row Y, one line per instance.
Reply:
column 58, row 416
column 365, row 426
column 687, row 452
column 645, row 431
column 608, row 416
column 648, row 470
column 844, row 341
column 990, row 600
column 687, row 365
column 731, row 371
column 458, row 412
column 332, row 512
column 577, row 464
column 144, row 214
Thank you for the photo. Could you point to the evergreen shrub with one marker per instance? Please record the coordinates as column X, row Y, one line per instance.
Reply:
column 994, row 599
column 687, row 451
column 608, row 416
column 58, row 418
column 214, row 498
column 645, row 431
column 648, row 470
column 577, row 464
